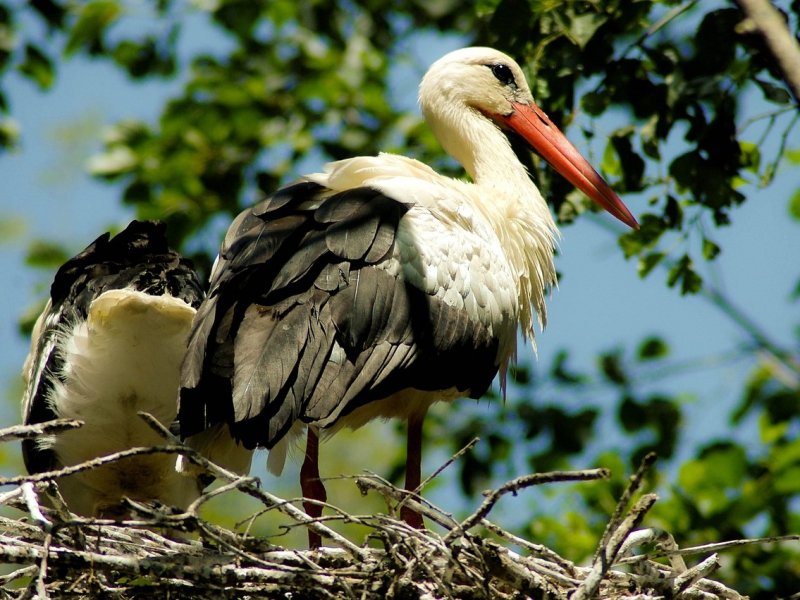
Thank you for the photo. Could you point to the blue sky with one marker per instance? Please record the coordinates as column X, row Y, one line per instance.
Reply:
column 601, row 302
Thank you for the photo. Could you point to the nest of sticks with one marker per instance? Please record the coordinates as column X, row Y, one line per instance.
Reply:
column 165, row 553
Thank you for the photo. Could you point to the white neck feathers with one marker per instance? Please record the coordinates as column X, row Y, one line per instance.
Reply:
column 506, row 197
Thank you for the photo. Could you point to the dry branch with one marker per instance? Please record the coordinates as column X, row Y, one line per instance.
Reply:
column 54, row 553
column 20, row 432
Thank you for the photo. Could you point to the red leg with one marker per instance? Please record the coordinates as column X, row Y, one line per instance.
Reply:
column 413, row 468
column 311, row 485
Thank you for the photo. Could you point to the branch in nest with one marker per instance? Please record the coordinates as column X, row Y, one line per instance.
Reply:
column 63, row 554
column 21, row 432
column 251, row 487
column 520, row 483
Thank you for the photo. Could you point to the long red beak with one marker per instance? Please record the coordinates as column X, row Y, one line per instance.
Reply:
column 546, row 139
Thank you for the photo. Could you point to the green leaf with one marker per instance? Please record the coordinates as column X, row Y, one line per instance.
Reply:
column 563, row 374
column 46, row 254
column 636, row 241
column 720, row 467
column 12, row 229
column 595, row 103
column 611, row 366
column 37, row 67
column 93, row 19
column 793, row 156
column 486, row 7
column 610, row 164
column 769, row 174
column 772, row 92
column 582, row 28
column 9, row 133
column 631, row 163
column 520, row 374
column 52, row 12
column 649, row 137
column 786, row 456
column 710, row 249
column 652, row 348
column 686, row 169
column 771, row 432
column 788, row 482
column 673, row 213
column 143, row 58
column 632, row 415
column 794, row 205
column 683, row 272
column 648, row 262
column 750, row 157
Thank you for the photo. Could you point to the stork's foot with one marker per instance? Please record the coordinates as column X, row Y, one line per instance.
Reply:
column 312, row 486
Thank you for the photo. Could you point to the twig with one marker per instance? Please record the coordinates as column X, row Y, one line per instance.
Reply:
column 719, row 546
column 418, row 559
column 28, row 571
column 214, row 534
column 520, row 483
column 663, row 540
column 41, row 587
column 697, row 572
column 735, row 543
column 22, row 432
column 418, row 504
column 414, row 494
column 537, row 549
column 469, row 446
column 634, row 483
column 250, row 487
column 9, row 497
column 92, row 464
column 32, row 502
column 607, row 552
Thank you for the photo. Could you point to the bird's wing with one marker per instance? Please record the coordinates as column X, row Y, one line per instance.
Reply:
column 321, row 302
column 138, row 258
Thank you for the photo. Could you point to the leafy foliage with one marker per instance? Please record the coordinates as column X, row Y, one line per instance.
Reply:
column 297, row 82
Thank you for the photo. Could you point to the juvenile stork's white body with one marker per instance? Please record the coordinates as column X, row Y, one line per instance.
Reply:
column 379, row 286
column 108, row 344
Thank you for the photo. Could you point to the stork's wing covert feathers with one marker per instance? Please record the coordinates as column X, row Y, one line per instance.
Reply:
column 307, row 318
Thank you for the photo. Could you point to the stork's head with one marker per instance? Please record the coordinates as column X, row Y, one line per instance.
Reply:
column 480, row 78
column 484, row 81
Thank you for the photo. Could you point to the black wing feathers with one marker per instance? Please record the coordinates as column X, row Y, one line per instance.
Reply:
column 138, row 258
column 302, row 322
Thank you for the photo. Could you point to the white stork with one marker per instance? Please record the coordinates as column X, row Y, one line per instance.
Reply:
column 379, row 287
column 110, row 343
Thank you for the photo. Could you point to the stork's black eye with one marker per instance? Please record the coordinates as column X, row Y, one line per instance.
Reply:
column 503, row 74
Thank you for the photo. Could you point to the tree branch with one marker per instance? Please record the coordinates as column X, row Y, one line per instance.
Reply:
column 763, row 17
column 520, row 483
